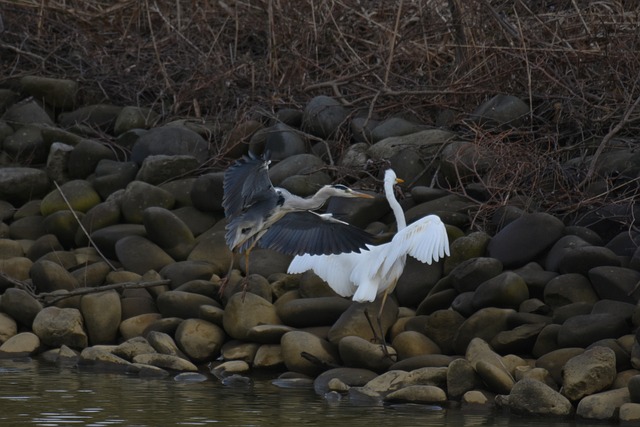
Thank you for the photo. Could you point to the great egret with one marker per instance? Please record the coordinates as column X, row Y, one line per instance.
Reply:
column 367, row 274
column 260, row 214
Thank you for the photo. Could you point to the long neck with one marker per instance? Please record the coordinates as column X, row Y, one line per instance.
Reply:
column 297, row 203
column 395, row 206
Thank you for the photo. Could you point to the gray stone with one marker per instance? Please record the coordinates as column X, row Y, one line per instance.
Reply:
column 357, row 352
column 616, row 283
column 569, row 288
column 20, row 184
column 582, row 330
column 323, row 116
column 532, row 397
column 26, row 112
column 502, row 110
column 394, row 126
column 469, row 274
column 299, row 346
column 242, row 314
column 588, row 373
column 22, row 344
column 182, row 304
column 604, row 405
column 139, row 196
column 485, row 324
column 85, row 156
column 200, row 340
column 102, row 313
column 133, row 117
column 507, row 290
column 48, row 276
column 59, row 93
column 170, row 140
column 26, row 146
column 159, row 168
column 57, row 326
column 111, row 176
column 20, row 305
column 305, row 312
column 140, row 255
column 177, row 243
column 101, row 116
column 524, row 239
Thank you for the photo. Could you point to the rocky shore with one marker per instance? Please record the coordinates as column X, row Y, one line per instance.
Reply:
column 111, row 255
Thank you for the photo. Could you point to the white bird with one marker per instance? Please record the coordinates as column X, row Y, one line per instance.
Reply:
column 367, row 274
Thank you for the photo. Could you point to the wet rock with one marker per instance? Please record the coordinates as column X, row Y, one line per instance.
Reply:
column 387, row 382
column 163, row 343
column 20, row 305
column 132, row 347
column 85, row 156
column 439, row 326
column 166, row 361
column 588, row 373
column 199, row 340
column 531, row 397
column 102, row 313
column 629, row 413
column 351, row 377
column 268, row 334
column 524, row 239
column 170, row 140
column 418, row 394
column 101, row 357
column 519, row 340
column 423, row 361
column 57, row 326
column 306, row 353
column 139, row 196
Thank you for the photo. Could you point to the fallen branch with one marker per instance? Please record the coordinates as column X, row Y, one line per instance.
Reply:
column 52, row 297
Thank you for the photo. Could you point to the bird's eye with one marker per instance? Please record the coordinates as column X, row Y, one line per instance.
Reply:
column 341, row 187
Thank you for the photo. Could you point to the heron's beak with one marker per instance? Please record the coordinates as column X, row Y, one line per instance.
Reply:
column 361, row 195
column 399, row 180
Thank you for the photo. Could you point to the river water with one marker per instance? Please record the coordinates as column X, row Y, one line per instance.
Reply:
column 40, row 394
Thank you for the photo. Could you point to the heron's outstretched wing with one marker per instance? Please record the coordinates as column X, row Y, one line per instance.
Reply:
column 307, row 232
column 245, row 182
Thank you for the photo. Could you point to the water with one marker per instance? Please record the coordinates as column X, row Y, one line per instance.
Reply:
column 39, row 394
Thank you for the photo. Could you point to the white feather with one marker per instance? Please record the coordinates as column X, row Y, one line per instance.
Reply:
column 369, row 273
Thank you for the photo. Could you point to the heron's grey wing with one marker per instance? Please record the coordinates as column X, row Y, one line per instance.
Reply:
column 306, row 232
column 245, row 182
column 244, row 229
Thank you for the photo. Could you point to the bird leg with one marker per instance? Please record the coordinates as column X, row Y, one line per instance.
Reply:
column 379, row 337
column 225, row 280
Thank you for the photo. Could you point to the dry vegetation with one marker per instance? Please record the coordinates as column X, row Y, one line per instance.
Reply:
column 576, row 62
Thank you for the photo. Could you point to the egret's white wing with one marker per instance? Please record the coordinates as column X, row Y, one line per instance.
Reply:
column 333, row 269
column 425, row 239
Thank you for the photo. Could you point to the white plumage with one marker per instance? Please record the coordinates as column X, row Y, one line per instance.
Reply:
column 369, row 273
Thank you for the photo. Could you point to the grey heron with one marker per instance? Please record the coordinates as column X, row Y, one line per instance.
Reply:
column 365, row 275
column 262, row 215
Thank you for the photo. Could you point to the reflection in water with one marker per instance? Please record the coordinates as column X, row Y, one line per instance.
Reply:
column 43, row 395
